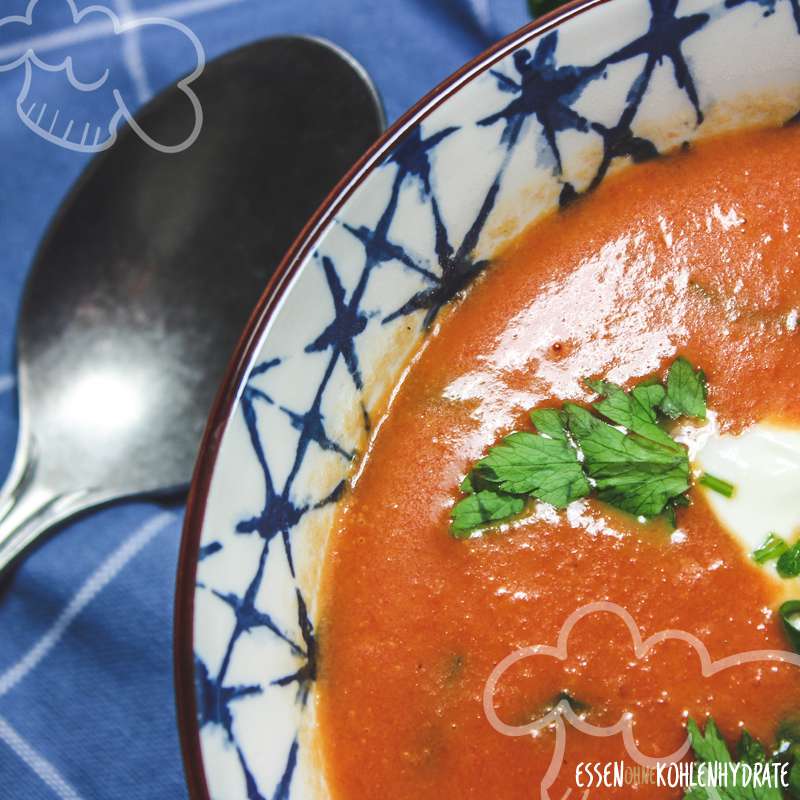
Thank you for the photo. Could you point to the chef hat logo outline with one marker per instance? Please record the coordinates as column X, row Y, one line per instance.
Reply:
column 29, row 59
column 624, row 726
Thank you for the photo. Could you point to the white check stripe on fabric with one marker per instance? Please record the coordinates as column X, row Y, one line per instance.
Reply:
column 483, row 13
column 93, row 585
column 7, row 382
column 38, row 763
column 132, row 51
column 96, row 30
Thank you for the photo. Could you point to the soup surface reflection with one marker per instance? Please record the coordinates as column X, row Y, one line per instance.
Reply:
column 696, row 254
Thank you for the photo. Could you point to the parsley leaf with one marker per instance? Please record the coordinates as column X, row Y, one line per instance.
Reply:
column 630, row 472
column 788, row 750
column 544, row 466
column 633, row 464
column 750, row 750
column 794, row 779
column 772, row 548
column 636, row 410
column 550, row 422
column 710, row 747
column 482, row 508
column 473, row 482
column 707, row 745
column 686, row 391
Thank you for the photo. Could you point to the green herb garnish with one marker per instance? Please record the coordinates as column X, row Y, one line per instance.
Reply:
column 788, row 557
column 789, row 613
column 716, row 484
column 544, row 465
column 483, row 508
column 632, row 464
column 772, row 548
column 686, row 391
column 788, row 565
column 709, row 747
column 788, row 751
column 630, row 472
column 635, row 410
column 750, row 750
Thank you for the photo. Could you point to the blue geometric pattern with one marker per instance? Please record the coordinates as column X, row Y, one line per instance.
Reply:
column 88, row 615
column 769, row 7
column 534, row 103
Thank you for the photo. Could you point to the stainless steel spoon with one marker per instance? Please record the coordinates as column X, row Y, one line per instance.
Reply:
column 150, row 268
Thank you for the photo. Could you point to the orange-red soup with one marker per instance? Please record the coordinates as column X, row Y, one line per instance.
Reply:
column 694, row 254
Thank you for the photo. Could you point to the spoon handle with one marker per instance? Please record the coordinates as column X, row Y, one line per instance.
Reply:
column 29, row 509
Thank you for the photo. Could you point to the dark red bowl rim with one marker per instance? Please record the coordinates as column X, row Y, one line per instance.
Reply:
column 183, row 632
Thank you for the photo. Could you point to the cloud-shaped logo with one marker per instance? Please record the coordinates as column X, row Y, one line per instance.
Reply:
column 563, row 710
column 62, row 116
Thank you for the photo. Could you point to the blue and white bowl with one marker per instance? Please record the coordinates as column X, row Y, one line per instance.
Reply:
column 529, row 126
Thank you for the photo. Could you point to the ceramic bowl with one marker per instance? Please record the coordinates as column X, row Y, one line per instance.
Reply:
column 529, row 126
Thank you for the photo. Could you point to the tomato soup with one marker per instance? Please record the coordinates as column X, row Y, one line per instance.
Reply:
column 697, row 255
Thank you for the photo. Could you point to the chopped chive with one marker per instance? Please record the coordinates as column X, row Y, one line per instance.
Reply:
column 717, row 484
column 772, row 548
column 790, row 617
column 788, row 565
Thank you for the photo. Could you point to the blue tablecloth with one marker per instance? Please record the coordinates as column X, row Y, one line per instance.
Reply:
column 86, row 700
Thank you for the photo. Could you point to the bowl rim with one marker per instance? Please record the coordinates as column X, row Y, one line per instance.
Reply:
column 247, row 348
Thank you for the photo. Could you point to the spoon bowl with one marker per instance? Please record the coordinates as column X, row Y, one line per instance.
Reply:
column 151, row 267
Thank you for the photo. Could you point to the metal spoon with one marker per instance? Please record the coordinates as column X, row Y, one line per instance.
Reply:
column 150, row 268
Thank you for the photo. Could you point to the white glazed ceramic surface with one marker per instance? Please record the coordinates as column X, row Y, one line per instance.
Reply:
column 531, row 126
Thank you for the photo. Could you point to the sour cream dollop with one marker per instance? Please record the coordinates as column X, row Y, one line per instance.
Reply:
column 763, row 464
